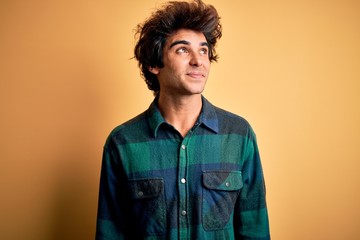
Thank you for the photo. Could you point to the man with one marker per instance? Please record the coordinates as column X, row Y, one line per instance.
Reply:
column 183, row 169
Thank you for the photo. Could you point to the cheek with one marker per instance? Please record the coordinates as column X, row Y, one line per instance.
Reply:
column 176, row 67
column 207, row 65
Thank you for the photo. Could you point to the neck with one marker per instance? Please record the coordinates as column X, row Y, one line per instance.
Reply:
column 181, row 113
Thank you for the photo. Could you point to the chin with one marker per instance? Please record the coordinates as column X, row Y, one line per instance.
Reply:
column 197, row 91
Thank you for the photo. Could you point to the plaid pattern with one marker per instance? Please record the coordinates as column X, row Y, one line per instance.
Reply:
column 157, row 185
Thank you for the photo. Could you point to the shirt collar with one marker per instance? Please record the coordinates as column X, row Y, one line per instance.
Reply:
column 207, row 116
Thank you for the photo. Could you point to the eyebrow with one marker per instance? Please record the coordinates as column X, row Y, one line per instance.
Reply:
column 187, row 43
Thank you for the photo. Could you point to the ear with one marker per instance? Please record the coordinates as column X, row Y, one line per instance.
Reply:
column 154, row 70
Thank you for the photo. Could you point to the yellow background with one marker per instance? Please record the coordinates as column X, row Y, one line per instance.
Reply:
column 292, row 68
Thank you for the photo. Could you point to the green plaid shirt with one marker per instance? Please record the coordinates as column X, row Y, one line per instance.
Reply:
column 155, row 184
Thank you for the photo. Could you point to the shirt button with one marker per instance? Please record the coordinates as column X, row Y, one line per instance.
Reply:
column 140, row 194
column 183, row 180
column 183, row 147
column 227, row 184
column 183, row 212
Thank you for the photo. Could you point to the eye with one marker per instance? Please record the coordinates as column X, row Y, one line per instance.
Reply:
column 181, row 50
column 204, row 51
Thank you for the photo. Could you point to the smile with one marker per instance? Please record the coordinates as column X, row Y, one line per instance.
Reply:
column 195, row 74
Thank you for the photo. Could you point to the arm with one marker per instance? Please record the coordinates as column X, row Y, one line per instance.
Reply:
column 111, row 219
column 251, row 217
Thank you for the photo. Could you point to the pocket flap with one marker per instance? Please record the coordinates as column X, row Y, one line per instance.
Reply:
column 223, row 180
column 146, row 188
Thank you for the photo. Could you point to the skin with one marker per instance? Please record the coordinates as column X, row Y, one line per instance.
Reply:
column 183, row 78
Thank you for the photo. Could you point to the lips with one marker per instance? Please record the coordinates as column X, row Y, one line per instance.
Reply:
column 195, row 74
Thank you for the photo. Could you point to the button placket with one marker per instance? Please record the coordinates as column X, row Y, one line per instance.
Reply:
column 182, row 186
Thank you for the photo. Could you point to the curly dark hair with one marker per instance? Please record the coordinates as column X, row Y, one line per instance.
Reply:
column 152, row 33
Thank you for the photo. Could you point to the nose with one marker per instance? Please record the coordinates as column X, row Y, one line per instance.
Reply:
column 196, row 60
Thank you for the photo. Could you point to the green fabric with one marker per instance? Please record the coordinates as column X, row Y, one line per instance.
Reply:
column 156, row 184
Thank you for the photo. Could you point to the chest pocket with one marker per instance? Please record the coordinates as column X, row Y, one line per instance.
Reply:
column 220, row 192
column 148, row 205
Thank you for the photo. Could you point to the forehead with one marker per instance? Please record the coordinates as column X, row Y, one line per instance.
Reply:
column 193, row 37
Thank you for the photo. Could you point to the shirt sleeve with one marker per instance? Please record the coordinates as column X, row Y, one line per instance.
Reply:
column 251, row 215
column 111, row 220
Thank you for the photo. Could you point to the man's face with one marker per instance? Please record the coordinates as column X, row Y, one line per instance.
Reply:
column 186, row 64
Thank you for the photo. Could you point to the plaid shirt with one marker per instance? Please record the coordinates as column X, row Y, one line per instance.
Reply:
column 155, row 184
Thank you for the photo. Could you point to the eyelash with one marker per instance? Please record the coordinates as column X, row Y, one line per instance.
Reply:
column 184, row 50
column 204, row 50
column 181, row 50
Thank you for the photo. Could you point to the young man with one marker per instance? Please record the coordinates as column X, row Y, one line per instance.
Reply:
column 183, row 169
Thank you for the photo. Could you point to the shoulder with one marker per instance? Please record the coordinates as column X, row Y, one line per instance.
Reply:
column 230, row 116
column 133, row 130
column 231, row 123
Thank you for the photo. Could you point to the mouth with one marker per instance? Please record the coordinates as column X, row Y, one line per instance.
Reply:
column 195, row 74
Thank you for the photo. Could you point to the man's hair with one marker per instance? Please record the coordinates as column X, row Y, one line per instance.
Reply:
column 152, row 33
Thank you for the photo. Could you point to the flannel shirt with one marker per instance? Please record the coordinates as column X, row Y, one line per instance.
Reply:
column 156, row 184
